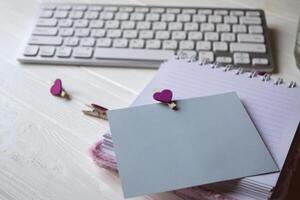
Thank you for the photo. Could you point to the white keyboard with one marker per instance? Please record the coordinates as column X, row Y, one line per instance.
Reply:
column 139, row 36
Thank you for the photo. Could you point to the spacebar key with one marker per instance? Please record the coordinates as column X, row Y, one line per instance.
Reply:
column 133, row 54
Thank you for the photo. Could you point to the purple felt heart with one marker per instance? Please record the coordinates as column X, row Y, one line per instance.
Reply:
column 164, row 96
column 56, row 88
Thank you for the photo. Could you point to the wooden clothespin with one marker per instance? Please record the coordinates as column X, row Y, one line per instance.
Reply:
column 165, row 96
column 97, row 111
column 57, row 90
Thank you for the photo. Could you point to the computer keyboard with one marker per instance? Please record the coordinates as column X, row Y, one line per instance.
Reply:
column 142, row 36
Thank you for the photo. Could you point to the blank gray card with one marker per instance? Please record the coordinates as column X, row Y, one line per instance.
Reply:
column 208, row 139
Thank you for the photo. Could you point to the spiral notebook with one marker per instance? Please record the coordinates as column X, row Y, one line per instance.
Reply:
column 273, row 105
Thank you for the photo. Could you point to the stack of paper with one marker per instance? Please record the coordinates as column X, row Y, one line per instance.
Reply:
column 274, row 109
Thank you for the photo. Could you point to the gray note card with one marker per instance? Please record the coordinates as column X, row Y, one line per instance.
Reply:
column 208, row 139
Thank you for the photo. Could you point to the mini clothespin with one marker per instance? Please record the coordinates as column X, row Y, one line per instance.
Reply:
column 97, row 111
column 165, row 96
column 57, row 90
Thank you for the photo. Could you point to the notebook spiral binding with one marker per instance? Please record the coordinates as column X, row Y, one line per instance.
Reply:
column 264, row 77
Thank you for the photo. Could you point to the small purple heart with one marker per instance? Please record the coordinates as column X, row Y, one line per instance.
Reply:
column 56, row 88
column 164, row 96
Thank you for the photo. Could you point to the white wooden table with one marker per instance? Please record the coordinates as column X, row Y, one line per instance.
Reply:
column 44, row 140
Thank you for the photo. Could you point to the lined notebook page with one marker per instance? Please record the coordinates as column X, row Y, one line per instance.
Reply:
column 275, row 110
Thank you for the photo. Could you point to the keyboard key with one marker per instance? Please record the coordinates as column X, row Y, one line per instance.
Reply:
column 152, row 17
column 153, row 44
column 83, row 52
column 193, row 35
column 142, row 9
column 211, row 36
column 162, row 35
column 205, row 11
column 40, row 40
column 206, row 55
column 98, row 33
column 260, row 61
column 168, row 17
column 47, row 22
column 253, row 13
column 220, row 46
column 64, row 52
column 47, row 51
column 76, row 15
column 122, row 16
column 126, row 9
column 65, row 23
column 225, row 59
column 112, row 24
column 189, row 53
column 159, row 26
column 178, row 35
column 114, row 33
column 227, row 37
column 87, row 42
column 255, row 29
column 146, row 34
column 137, row 16
column 221, row 12
column 175, row 26
column 31, row 51
column 203, row 45
column 136, row 43
column 96, row 24
column 61, row 14
column 199, row 18
column 207, row 27
column 82, row 32
column 143, row 25
column 230, row 20
column 258, row 38
column 127, row 25
column 170, row 44
column 45, row 31
column 223, row 28
column 104, row 42
column 91, row 15
column 191, row 26
column 106, row 15
column 133, row 54
column 66, row 32
column 46, row 14
column 186, row 45
column 110, row 8
column 183, row 18
column 71, row 41
column 237, row 12
column 130, row 34
column 239, row 28
column 188, row 11
column 81, row 23
column 247, row 47
column 157, row 10
column 173, row 10
column 241, row 58
column 214, row 19
column 250, row 20
column 120, row 43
